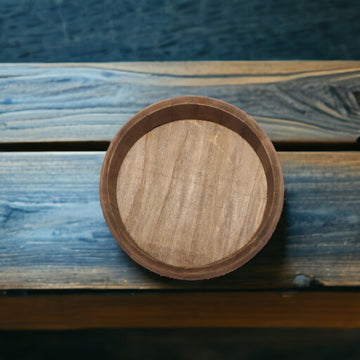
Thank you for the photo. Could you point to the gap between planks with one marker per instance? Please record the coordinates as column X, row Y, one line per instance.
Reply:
column 70, row 146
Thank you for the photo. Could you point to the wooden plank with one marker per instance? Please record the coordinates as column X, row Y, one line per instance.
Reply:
column 178, row 30
column 186, row 309
column 292, row 101
column 53, row 235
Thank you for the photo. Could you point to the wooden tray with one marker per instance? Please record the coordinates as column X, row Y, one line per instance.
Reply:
column 191, row 188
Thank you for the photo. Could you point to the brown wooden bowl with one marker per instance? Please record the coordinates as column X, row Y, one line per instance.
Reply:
column 191, row 188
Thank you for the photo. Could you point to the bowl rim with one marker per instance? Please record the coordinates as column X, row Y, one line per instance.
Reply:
column 178, row 108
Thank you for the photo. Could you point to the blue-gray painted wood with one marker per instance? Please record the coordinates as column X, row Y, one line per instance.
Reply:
column 110, row 30
column 53, row 235
column 92, row 102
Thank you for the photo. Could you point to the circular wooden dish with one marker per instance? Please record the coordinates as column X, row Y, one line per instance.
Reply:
column 191, row 188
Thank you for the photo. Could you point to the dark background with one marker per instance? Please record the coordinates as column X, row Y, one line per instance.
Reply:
column 165, row 30
column 128, row 30
column 181, row 344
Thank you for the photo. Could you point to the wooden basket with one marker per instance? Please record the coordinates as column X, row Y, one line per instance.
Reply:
column 191, row 188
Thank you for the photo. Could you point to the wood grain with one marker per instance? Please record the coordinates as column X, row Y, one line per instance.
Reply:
column 187, row 309
column 185, row 163
column 191, row 193
column 53, row 236
column 292, row 101
column 101, row 30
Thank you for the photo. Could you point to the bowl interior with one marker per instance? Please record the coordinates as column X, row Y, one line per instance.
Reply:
column 203, row 109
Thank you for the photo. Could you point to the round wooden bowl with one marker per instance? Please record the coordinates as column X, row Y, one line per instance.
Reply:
column 191, row 188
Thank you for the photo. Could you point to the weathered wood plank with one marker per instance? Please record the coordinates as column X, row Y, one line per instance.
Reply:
column 293, row 101
column 103, row 30
column 184, row 309
column 53, row 235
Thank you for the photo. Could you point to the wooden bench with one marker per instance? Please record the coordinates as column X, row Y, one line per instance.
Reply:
column 60, row 268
